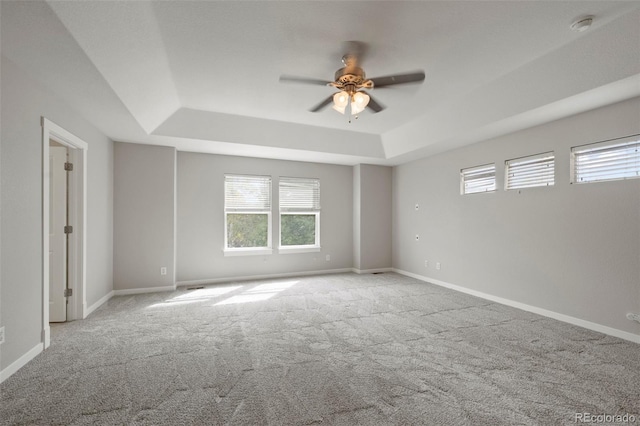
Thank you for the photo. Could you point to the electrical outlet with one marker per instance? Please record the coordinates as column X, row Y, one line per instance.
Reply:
column 426, row 263
column 163, row 270
column 438, row 266
column 1, row 335
column 328, row 258
column 633, row 317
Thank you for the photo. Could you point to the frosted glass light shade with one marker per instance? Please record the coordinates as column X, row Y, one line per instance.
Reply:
column 359, row 102
column 339, row 108
column 340, row 99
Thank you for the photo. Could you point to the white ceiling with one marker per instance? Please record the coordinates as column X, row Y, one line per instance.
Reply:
column 203, row 75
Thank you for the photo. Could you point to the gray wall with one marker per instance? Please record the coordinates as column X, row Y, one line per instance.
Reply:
column 144, row 216
column 23, row 103
column 372, row 216
column 357, row 255
column 201, row 218
column 571, row 249
column 99, row 220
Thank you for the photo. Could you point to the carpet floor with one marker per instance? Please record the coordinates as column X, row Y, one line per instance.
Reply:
column 339, row 349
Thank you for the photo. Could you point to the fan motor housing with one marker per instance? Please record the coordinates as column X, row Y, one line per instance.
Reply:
column 350, row 75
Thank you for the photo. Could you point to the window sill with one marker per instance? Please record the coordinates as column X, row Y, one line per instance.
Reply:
column 247, row 252
column 299, row 249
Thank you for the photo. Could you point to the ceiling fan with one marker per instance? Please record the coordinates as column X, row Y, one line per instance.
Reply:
column 351, row 81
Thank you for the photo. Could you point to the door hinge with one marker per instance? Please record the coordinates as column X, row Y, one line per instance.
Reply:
column 68, row 292
column 68, row 167
column 68, row 229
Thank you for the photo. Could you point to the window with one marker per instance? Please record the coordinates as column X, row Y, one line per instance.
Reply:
column 478, row 179
column 531, row 171
column 611, row 160
column 299, row 214
column 247, row 214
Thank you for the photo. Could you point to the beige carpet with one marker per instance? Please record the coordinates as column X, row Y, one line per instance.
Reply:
column 337, row 350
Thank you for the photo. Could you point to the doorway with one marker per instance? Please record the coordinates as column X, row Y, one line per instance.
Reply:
column 64, row 203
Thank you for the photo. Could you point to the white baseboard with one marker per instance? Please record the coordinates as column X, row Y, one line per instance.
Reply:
column 99, row 303
column 46, row 336
column 371, row 271
column 529, row 308
column 143, row 290
column 262, row 277
column 20, row 362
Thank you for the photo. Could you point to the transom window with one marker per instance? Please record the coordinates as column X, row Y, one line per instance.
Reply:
column 299, row 214
column 611, row 160
column 247, row 213
column 530, row 171
column 478, row 179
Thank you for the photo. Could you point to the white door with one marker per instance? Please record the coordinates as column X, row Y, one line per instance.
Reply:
column 57, row 236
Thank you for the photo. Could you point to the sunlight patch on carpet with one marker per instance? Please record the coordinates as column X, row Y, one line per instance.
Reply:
column 259, row 293
column 196, row 296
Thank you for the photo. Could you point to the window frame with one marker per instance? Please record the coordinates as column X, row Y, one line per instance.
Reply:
column 608, row 145
column 469, row 170
column 529, row 159
column 314, row 211
column 248, row 251
column 307, row 248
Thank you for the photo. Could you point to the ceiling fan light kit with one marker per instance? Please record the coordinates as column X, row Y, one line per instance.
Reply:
column 358, row 101
column 351, row 82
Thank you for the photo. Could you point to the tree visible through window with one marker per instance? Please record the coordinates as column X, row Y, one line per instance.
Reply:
column 247, row 206
column 298, row 229
column 299, row 212
column 247, row 230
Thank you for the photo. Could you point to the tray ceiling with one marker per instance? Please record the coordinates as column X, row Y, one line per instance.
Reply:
column 203, row 76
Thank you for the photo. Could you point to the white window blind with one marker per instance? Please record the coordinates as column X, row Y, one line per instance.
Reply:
column 606, row 161
column 247, row 193
column 478, row 179
column 299, row 194
column 531, row 171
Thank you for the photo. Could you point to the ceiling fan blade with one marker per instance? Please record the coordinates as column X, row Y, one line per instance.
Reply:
column 322, row 104
column 302, row 80
column 374, row 105
column 389, row 80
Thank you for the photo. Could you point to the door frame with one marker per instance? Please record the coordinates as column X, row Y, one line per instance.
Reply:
column 77, row 244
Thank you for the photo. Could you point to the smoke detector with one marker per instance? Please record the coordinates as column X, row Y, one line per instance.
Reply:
column 581, row 24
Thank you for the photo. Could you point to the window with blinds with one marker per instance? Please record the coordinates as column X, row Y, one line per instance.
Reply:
column 299, row 214
column 478, row 179
column 611, row 160
column 530, row 171
column 247, row 211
